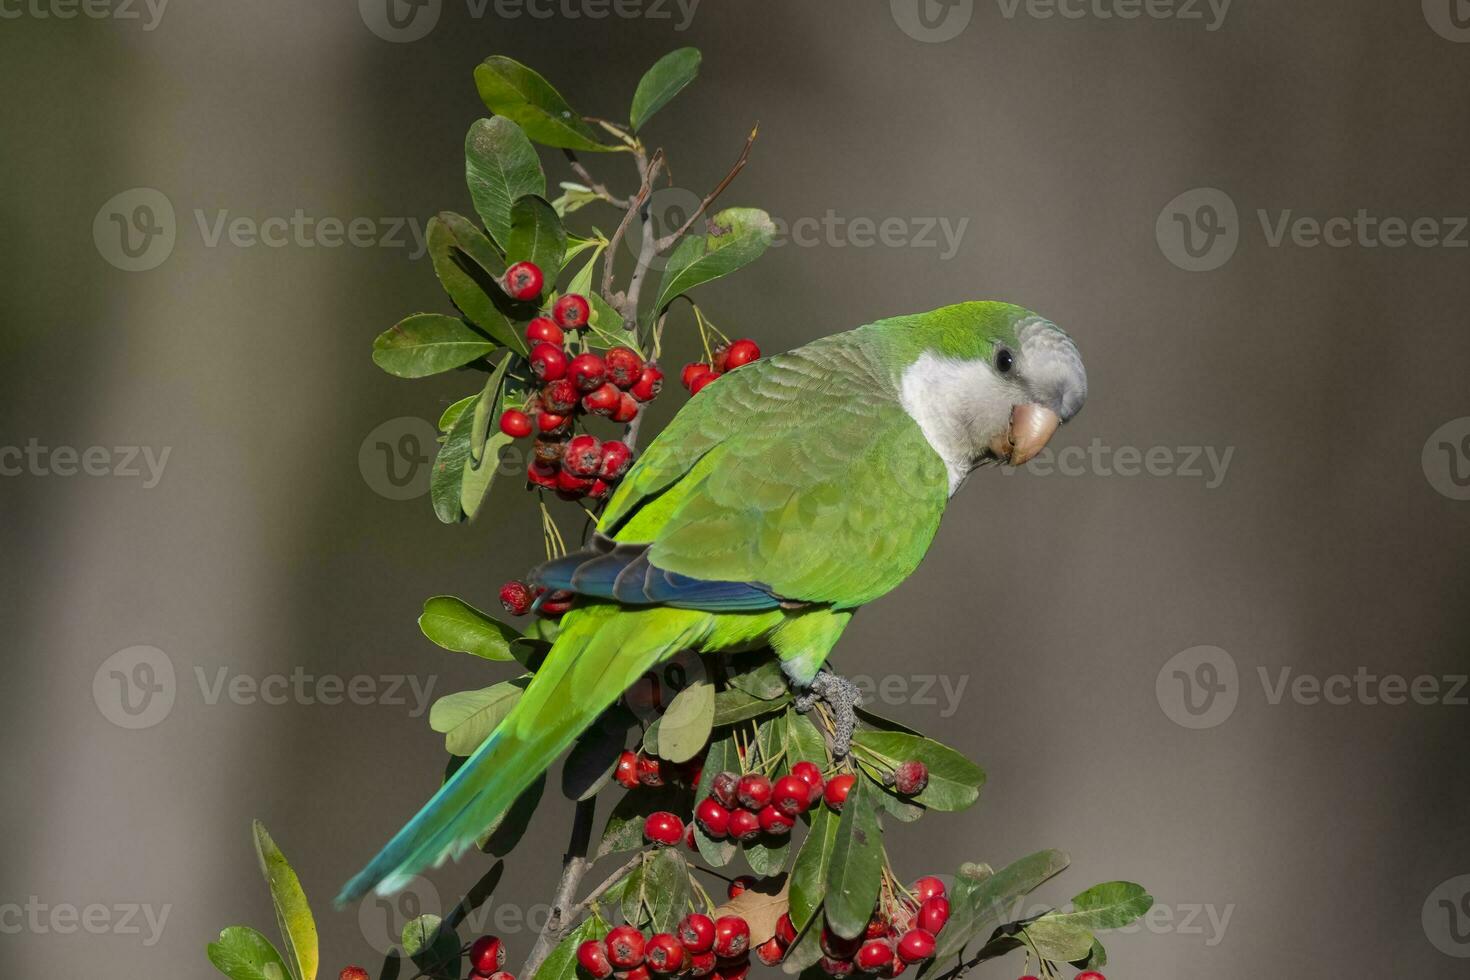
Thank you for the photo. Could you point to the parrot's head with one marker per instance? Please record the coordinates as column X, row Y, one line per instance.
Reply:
column 988, row 383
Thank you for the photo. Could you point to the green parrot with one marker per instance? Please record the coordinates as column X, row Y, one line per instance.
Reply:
column 788, row 494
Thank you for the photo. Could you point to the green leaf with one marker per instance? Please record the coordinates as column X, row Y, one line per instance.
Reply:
column 445, row 483
column 537, row 235
column 738, row 237
column 500, row 167
column 605, row 328
column 451, row 414
column 574, row 197
column 759, row 675
column 466, row 719
column 428, row 343
column 1059, row 939
column 582, row 282
column 733, row 705
column 293, row 914
column 804, row 743
column 624, row 830
column 663, row 81
column 467, row 267
column 807, row 949
column 508, row 88
column 667, row 889
column 685, row 727
column 562, row 963
column 631, row 904
column 484, row 459
column 723, row 756
column 855, row 873
column 981, row 900
column 954, row 781
column 1111, row 905
column 432, row 945
column 244, row 954
column 767, row 855
column 813, row 861
column 458, row 626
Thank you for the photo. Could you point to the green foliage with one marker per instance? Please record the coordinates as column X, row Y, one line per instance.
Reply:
column 954, row 781
column 466, row 719
column 428, row 343
column 458, row 626
column 244, row 954
column 737, row 237
column 562, row 963
column 293, row 914
column 508, row 88
column 855, row 870
column 666, row 79
column 537, row 235
column 500, row 168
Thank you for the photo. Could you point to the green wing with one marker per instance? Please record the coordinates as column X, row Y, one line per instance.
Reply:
column 800, row 472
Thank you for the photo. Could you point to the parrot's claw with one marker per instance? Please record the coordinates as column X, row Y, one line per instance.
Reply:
column 843, row 697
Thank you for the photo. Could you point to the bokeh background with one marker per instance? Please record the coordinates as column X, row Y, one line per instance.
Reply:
column 1066, row 610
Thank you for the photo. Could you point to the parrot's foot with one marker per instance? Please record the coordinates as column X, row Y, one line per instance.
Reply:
column 843, row 698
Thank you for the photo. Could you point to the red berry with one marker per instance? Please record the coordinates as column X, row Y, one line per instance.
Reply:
column 583, row 456
column 837, row 789
column 916, row 945
column 516, row 597
column 515, row 424
column 702, row 964
column 754, row 791
column 911, row 777
column 773, row 821
column 692, row 372
column 560, row 397
column 616, row 458
column 550, row 423
column 744, row 825
column 697, row 933
column 592, row 957
column 732, row 936
column 548, row 361
column 497, row 975
column 648, row 385
column 600, row 489
column 663, row 954
column 626, row 772
column 874, row 955
column 713, row 818
column 625, row 947
column 637, row 973
column 689, row 840
column 524, row 281
column 718, row 360
column 933, row 914
column 543, row 328
column 926, row 888
column 808, row 773
column 834, row 967
column 741, row 885
column 624, row 366
column 663, row 828
column 791, row 795
column 726, row 787
column 770, row 952
column 877, row 927
column 627, row 409
column 571, row 311
column 353, row 973
column 649, row 773
column 587, row 371
column 1032, row 977
column 571, row 483
column 1090, row 975
column 786, row 929
column 603, row 401
column 557, row 603
column 542, row 475
column 737, row 969
column 839, row 946
column 740, row 353
column 487, row 954
column 703, row 381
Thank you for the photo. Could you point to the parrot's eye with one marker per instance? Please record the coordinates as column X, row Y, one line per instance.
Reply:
column 1004, row 361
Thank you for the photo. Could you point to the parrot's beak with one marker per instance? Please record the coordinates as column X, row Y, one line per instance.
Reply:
column 1031, row 428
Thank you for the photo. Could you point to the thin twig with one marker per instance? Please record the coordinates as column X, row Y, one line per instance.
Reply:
column 574, row 866
column 637, row 205
column 595, row 185
column 667, row 242
column 607, row 883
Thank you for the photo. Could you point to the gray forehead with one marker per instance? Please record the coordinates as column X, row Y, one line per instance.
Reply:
column 1052, row 365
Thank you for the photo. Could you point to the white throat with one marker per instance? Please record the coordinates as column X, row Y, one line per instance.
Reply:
column 955, row 403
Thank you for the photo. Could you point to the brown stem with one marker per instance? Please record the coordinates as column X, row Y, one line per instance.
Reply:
column 647, row 172
column 607, row 883
column 574, row 866
column 668, row 241
column 596, row 186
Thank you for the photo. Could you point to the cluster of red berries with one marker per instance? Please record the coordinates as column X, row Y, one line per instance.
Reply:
column 726, row 358
column 892, row 942
column 699, row 947
column 744, row 807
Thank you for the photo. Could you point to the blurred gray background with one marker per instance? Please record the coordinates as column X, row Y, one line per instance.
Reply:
column 1065, row 609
